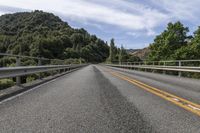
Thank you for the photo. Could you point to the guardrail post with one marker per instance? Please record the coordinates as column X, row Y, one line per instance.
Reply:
column 129, row 66
column 179, row 73
column 153, row 65
column 145, row 63
column 50, row 63
column 39, row 64
column 164, row 63
column 18, row 63
column 80, row 61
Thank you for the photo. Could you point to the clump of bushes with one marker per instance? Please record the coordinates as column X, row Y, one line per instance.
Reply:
column 5, row 83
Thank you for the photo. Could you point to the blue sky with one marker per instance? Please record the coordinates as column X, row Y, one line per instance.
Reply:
column 133, row 23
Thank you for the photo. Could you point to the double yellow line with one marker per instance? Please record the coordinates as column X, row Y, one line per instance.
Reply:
column 183, row 103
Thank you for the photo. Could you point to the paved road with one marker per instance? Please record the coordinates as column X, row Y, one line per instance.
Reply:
column 92, row 100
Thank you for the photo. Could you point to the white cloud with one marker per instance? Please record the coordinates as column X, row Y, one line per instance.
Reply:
column 134, row 34
column 1, row 13
column 134, row 18
column 120, row 13
column 150, row 32
column 180, row 9
column 137, row 34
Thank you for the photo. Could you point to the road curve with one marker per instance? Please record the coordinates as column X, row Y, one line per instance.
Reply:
column 93, row 100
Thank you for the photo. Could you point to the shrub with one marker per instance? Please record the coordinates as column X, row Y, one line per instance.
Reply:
column 5, row 83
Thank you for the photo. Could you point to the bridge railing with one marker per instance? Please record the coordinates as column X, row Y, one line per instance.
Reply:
column 164, row 63
column 9, row 72
column 41, row 65
column 179, row 66
column 21, row 60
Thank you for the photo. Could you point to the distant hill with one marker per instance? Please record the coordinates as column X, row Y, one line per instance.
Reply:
column 141, row 53
column 130, row 51
column 43, row 34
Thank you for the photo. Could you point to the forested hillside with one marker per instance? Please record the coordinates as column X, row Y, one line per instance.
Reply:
column 46, row 35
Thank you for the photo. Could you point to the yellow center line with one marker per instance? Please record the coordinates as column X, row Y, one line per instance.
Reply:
column 181, row 102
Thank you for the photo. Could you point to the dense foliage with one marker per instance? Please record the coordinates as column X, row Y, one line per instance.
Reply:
column 175, row 44
column 119, row 55
column 42, row 34
column 5, row 83
column 46, row 35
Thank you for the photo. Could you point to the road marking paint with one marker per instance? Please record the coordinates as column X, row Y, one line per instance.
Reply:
column 175, row 99
column 183, row 103
column 194, row 107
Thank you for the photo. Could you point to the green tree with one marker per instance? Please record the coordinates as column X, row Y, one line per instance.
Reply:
column 133, row 58
column 164, row 45
column 43, row 34
column 77, row 40
column 191, row 50
column 123, row 56
column 112, row 53
column 71, row 53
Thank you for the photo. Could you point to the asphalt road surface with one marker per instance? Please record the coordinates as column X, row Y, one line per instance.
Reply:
column 95, row 100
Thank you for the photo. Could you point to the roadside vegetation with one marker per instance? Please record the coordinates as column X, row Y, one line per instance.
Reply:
column 120, row 55
column 174, row 43
column 42, row 34
column 45, row 35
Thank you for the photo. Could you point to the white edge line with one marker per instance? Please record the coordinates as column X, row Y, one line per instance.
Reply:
column 176, row 99
column 194, row 107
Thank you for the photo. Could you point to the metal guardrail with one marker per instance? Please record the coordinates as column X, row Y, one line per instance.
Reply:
column 39, row 60
column 18, row 70
column 163, row 68
column 9, row 72
column 191, row 63
column 159, row 67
